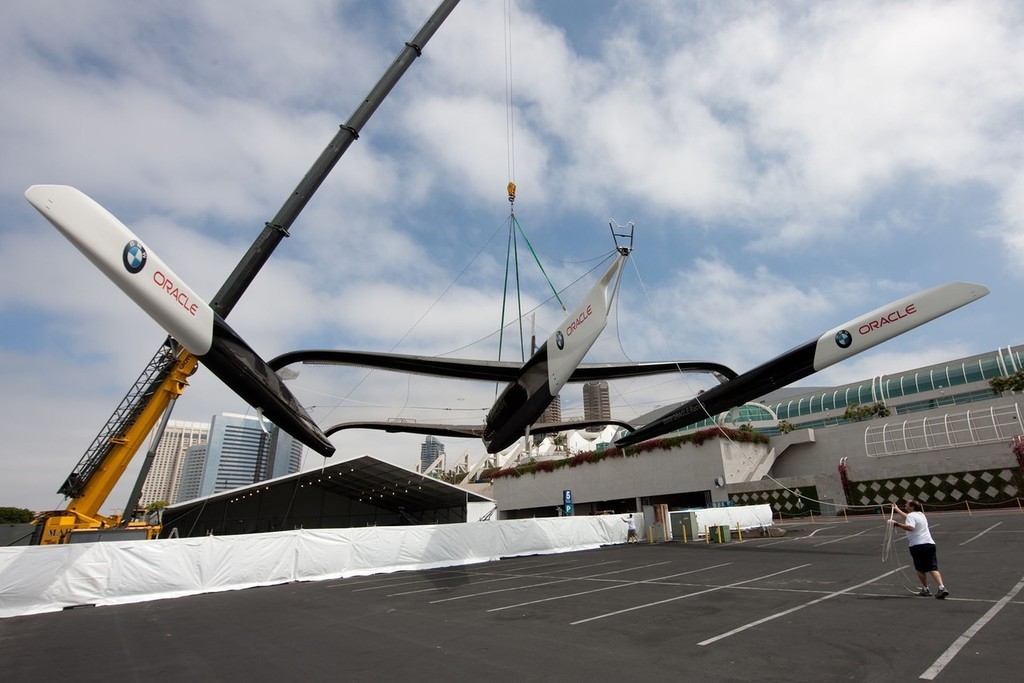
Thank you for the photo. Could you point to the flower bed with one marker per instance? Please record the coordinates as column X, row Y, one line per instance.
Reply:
column 661, row 444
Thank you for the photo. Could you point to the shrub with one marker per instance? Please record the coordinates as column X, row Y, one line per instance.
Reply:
column 660, row 444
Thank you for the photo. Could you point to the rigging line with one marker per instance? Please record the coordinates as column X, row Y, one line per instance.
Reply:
column 664, row 336
column 704, row 409
column 447, row 289
column 519, row 301
column 718, row 426
column 618, row 325
column 408, row 395
column 604, row 260
column 509, row 104
column 537, row 259
column 888, row 552
column 620, row 392
column 504, row 290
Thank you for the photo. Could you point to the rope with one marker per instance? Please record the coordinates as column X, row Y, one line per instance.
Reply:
column 603, row 260
column 709, row 416
column 888, row 552
column 509, row 107
column 537, row 259
column 519, row 306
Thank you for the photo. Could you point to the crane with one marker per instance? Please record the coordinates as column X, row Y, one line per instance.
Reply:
column 166, row 376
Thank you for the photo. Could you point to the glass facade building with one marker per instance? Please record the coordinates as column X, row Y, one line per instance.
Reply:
column 239, row 452
column 958, row 382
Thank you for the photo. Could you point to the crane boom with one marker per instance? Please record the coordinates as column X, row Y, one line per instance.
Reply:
column 165, row 378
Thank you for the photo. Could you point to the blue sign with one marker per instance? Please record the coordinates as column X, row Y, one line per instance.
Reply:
column 567, row 501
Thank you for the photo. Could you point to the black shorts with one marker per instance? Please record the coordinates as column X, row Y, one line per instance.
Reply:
column 925, row 557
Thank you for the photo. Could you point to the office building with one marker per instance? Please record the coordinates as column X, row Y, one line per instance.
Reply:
column 597, row 404
column 240, row 451
column 165, row 472
column 553, row 413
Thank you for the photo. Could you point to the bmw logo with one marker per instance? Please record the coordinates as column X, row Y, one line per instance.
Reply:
column 844, row 339
column 559, row 340
column 134, row 257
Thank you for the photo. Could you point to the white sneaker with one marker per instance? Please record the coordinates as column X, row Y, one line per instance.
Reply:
column 925, row 592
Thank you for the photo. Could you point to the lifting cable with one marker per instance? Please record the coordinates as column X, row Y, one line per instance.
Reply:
column 512, row 244
column 509, row 107
column 512, row 248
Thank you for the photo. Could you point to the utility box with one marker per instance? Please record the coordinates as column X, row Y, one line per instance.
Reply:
column 684, row 522
column 720, row 534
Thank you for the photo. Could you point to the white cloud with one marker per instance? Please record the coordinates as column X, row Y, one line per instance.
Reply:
column 789, row 166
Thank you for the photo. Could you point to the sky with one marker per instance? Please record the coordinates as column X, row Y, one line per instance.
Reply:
column 787, row 166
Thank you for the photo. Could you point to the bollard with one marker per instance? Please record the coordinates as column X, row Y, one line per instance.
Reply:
column 684, row 534
column 739, row 531
column 968, row 504
column 1018, row 505
column 845, row 518
column 707, row 535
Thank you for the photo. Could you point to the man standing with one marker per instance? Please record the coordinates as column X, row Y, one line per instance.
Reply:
column 630, row 529
column 922, row 547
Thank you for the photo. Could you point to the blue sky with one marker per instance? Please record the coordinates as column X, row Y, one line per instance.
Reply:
column 787, row 165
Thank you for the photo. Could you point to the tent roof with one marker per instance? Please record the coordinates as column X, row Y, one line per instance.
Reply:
column 364, row 479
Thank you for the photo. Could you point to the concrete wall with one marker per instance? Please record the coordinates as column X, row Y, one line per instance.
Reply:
column 805, row 458
column 822, row 457
column 682, row 469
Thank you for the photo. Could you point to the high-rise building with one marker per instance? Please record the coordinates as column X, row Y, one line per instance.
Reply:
column 165, row 472
column 240, row 451
column 597, row 404
column 430, row 449
column 191, row 482
column 553, row 413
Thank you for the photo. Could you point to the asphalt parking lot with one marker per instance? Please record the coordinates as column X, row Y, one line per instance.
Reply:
column 824, row 602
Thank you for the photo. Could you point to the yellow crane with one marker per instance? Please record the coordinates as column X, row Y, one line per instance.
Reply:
column 99, row 470
column 166, row 376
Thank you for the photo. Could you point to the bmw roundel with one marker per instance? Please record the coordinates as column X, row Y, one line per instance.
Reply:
column 559, row 340
column 844, row 339
column 134, row 257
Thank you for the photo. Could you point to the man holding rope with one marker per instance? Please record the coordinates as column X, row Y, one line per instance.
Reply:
column 922, row 547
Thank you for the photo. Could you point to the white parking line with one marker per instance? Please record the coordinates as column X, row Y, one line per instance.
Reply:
column 953, row 649
column 389, row 580
column 497, row 576
column 792, row 609
column 843, row 538
column 538, row 585
column 688, row 595
column 609, row 588
column 982, row 533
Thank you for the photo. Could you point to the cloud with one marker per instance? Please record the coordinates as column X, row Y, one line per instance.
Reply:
column 788, row 167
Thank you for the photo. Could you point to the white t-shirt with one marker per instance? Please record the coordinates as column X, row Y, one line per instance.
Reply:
column 919, row 534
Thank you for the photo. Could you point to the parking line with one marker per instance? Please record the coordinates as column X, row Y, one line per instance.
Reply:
column 982, row 533
column 499, row 576
column 953, row 649
column 688, row 595
column 538, row 585
column 793, row 609
column 843, row 538
column 610, row 588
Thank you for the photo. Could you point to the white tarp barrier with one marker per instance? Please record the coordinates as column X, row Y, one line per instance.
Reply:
column 38, row 579
column 747, row 516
